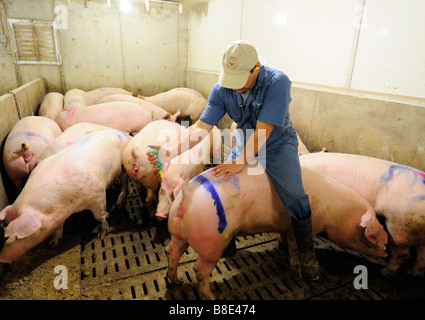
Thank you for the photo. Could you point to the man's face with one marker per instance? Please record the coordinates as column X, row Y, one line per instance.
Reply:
column 249, row 83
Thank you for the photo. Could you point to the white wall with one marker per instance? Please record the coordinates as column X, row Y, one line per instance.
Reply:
column 141, row 51
column 370, row 45
column 211, row 28
column 391, row 51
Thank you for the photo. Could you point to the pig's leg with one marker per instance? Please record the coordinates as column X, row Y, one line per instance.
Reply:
column 419, row 266
column 99, row 211
column 203, row 268
column 150, row 197
column 175, row 250
column 399, row 254
column 124, row 185
column 56, row 236
column 151, row 202
column 283, row 241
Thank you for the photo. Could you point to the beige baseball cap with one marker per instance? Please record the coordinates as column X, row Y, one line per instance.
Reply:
column 238, row 60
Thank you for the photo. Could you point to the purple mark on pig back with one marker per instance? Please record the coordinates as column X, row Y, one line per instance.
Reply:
column 75, row 100
column 28, row 134
column 222, row 223
column 120, row 134
column 422, row 175
column 412, row 175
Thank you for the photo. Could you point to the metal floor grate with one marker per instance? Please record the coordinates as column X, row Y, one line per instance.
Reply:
column 131, row 263
column 134, row 267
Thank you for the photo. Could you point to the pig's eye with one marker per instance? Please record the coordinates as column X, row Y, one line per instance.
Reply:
column 372, row 236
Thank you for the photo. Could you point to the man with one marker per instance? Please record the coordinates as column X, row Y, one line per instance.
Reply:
column 257, row 98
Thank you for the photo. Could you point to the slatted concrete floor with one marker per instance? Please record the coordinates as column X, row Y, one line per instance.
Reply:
column 131, row 263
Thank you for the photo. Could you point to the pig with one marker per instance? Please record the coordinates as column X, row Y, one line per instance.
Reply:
column 125, row 116
column 136, row 163
column 51, row 105
column 188, row 164
column 208, row 211
column 70, row 181
column 69, row 136
column 77, row 98
column 190, row 102
column 95, row 95
column 396, row 192
column 24, row 145
column 157, row 112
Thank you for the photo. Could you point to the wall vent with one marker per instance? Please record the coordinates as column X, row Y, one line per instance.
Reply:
column 34, row 42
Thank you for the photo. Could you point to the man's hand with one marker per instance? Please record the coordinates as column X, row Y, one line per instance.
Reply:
column 227, row 168
column 163, row 153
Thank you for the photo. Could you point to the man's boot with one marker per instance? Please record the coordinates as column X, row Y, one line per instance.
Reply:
column 303, row 236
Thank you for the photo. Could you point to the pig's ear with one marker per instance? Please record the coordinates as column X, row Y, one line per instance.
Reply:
column 22, row 227
column 3, row 213
column 367, row 224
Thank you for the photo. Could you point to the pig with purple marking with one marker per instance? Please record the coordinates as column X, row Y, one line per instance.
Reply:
column 396, row 192
column 208, row 211
column 188, row 164
column 126, row 116
column 69, row 136
column 28, row 138
column 70, row 181
column 157, row 112
column 77, row 98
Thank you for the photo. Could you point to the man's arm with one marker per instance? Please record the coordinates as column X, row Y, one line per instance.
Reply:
column 253, row 145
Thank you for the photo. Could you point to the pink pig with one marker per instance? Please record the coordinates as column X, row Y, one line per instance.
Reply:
column 125, row 116
column 93, row 96
column 136, row 163
column 24, row 145
column 69, row 136
column 187, row 164
column 77, row 98
column 395, row 191
column 157, row 112
column 51, row 105
column 209, row 211
column 72, row 180
column 188, row 101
